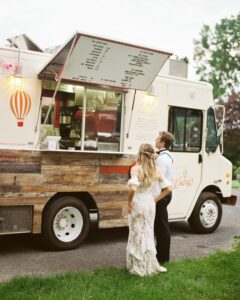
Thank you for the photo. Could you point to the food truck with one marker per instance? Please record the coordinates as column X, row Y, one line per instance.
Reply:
column 72, row 123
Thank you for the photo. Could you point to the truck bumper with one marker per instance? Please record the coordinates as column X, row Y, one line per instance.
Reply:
column 232, row 200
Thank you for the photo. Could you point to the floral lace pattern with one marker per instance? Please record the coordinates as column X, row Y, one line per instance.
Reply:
column 141, row 251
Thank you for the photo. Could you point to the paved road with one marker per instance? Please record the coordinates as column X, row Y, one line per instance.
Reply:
column 23, row 255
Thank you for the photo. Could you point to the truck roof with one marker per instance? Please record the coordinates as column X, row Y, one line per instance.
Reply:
column 186, row 80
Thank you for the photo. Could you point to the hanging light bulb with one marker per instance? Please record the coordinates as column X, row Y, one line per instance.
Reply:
column 152, row 91
column 17, row 83
column 149, row 97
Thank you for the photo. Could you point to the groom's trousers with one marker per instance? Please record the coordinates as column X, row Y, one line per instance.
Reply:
column 162, row 229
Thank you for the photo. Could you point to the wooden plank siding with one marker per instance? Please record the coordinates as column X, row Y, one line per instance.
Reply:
column 33, row 177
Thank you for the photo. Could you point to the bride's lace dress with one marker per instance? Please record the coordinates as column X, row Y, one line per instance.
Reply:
column 141, row 251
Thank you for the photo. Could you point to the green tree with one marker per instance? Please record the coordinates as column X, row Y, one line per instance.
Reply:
column 217, row 56
column 232, row 128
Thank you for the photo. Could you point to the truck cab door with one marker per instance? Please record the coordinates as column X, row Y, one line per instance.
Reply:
column 217, row 170
column 186, row 125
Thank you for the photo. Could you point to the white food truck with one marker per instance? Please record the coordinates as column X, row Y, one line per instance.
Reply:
column 71, row 125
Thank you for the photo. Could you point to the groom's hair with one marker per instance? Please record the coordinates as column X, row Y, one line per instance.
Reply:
column 167, row 138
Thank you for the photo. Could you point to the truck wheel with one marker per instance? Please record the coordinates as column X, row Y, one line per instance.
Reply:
column 66, row 223
column 207, row 213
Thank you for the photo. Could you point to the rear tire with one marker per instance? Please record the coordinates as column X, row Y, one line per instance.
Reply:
column 66, row 223
column 207, row 213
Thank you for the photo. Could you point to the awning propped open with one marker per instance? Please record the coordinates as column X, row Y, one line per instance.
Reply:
column 100, row 61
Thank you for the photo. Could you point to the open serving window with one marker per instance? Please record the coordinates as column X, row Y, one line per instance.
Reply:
column 83, row 91
column 85, row 118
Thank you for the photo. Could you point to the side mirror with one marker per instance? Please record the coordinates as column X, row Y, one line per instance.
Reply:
column 220, row 135
column 220, row 108
column 219, row 129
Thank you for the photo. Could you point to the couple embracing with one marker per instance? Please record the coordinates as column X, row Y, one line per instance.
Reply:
column 148, row 197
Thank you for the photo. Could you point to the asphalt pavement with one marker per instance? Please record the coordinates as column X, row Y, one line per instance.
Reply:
column 22, row 255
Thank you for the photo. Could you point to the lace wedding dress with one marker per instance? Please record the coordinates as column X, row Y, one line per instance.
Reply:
column 141, row 250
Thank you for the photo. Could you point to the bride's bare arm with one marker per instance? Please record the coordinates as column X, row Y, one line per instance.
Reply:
column 133, row 183
column 131, row 193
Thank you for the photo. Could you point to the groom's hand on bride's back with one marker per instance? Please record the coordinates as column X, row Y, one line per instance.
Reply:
column 163, row 194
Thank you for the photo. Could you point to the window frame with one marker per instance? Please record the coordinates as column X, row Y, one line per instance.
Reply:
column 83, row 131
column 172, row 109
column 217, row 143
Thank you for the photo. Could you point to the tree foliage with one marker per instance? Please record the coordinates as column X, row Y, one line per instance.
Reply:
column 232, row 111
column 217, row 56
column 232, row 146
column 232, row 128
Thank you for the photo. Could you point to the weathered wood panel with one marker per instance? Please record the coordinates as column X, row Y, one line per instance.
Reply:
column 68, row 169
column 33, row 177
column 27, row 162
column 24, row 198
column 20, row 180
column 97, row 189
column 37, row 217
column 111, row 197
column 113, row 223
column 110, row 214
column 67, row 179
column 20, row 168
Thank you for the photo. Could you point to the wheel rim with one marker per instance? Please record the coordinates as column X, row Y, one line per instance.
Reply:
column 208, row 213
column 68, row 224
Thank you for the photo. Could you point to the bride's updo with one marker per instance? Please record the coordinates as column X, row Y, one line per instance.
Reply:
column 146, row 159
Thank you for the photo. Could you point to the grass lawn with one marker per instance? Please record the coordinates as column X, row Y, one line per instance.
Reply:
column 235, row 184
column 214, row 277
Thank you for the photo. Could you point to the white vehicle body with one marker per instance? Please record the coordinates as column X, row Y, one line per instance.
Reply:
column 191, row 176
column 197, row 171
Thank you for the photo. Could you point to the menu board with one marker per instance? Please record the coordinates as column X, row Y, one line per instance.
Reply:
column 100, row 61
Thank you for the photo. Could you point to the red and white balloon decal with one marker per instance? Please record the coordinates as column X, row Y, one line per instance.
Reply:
column 20, row 103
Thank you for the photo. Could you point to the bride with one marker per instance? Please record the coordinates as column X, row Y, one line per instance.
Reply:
column 146, row 186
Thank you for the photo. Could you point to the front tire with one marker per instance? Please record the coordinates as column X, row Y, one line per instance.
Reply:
column 66, row 223
column 207, row 213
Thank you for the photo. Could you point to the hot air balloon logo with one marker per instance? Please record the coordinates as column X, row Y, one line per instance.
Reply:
column 20, row 103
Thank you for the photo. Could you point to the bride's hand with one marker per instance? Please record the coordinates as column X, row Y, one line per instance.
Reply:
column 130, row 207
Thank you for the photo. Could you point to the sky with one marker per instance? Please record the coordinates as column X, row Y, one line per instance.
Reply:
column 169, row 25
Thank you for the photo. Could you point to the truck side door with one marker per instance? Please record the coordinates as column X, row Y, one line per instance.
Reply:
column 186, row 125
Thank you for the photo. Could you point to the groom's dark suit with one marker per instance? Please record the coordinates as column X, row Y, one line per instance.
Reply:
column 161, row 225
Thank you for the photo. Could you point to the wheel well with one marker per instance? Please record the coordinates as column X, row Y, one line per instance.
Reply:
column 215, row 190
column 85, row 197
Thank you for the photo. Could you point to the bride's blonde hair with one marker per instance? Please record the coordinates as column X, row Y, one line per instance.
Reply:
column 147, row 160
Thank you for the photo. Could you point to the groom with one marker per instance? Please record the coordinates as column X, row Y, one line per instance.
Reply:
column 161, row 226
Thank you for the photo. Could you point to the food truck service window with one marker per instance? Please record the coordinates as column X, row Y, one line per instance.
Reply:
column 83, row 118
